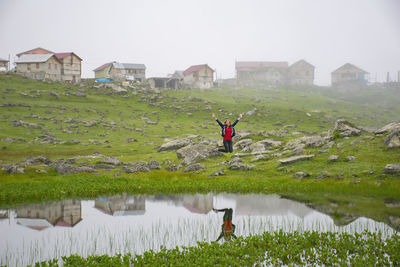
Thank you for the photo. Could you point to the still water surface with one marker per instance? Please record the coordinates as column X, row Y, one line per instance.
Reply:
column 134, row 224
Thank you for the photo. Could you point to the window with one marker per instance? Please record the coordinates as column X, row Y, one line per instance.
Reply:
column 49, row 66
column 29, row 66
column 56, row 65
column 37, row 65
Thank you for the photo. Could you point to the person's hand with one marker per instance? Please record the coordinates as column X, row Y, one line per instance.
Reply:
column 214, row 117
column 240, row 116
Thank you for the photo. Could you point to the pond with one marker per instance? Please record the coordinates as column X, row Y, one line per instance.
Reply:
column 137, row 223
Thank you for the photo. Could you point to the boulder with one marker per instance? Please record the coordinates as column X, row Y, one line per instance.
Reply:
column 172, row 168
column 295, row 159
column 300, row 175
column 103, row 166
column 392, row 168
column 154, row 164
column 13, row 168
column 305, row 141
column 257, row 147
column 111, row 160
column 138, row 167
column 389, row 128
column 243, row 144
column 217, row 173
column 175, row 144
column 260, row 157
column 13, row 140
column 194, row 167
column 345, row 129
column 270, row 143
column 324, row 174
column 350, row 158
column 242, row 134
column 36, row 160
column 130, row 140
column 196, row 152
column 238, row 164
column 68, row 169
column 332, row 158
column 25, row 124
column 393, row 139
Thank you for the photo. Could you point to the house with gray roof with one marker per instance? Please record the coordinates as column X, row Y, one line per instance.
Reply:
column 121, row 71
column 39, row 66
column 4, row 64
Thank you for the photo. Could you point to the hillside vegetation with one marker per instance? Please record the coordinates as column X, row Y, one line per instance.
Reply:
column 92, row 139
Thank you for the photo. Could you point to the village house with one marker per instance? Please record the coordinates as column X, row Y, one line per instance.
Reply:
column 165, row 83
column 71, row 64
column 301, row 72
column 39, row 66
column 199, row 76
column 349, row 74
column 250, row 72
column 4, row 64
column 121, row 71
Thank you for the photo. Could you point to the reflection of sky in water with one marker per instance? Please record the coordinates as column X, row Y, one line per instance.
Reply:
column 175, row 221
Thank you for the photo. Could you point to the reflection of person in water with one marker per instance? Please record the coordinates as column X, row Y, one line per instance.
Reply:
column 228, row 228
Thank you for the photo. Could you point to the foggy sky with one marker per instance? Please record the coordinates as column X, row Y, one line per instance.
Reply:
column 169, row 35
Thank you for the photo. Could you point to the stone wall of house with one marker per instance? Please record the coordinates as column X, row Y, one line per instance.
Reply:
column 51, row 69
column 71, row 68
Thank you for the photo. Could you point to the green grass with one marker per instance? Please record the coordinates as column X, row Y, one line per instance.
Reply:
column 279, row 248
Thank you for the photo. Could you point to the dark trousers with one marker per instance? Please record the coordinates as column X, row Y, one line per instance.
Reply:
column 228, row 147
column 227, row 214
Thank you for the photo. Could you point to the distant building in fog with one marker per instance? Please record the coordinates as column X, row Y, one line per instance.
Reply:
column 199, row 76
column 349, row 74
column 274, row 72
column 301, row 72
column 4, row 64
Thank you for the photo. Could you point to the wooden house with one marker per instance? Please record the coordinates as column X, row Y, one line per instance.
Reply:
column 250, row 72
column 301, row 72
column 39, row 66
column 199, row 76
column 349, row 74
column 4, row 63
column 121, row 71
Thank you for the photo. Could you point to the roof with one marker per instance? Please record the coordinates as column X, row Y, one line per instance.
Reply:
column 301, row 61
column 349, row 66
column 247, row 65
column 195, row 68
column 3, row 60
column 37, row 48
column 65, row 54
column 34, row 58
column 103, row 66
column 118, row 65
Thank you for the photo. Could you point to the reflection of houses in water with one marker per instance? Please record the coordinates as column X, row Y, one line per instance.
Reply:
column 253, row 204
column 40, row 216
column 198, row 203
column 121, row 205
column 3, row 214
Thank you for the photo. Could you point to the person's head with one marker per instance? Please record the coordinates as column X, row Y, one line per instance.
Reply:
column 227, row 123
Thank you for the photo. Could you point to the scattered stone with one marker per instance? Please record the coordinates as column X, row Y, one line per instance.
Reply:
column 350, row 158
column 332, row 158
column 324, row 174
column 153, row 165
column 175, row 144
column 217, row 173
column 111, row 160
column 300, row 175
column 271, row 143
column 138, row 167
column 25, row 124
column 345, row 129
column 130, row 140
column 295, row 159
column 389, row 128
column 243, row 144
column 54, row 94
column 298, row 150
column 78, row 94
column 70, row 120
column 103, row 166
column 260, row 157
column 41, row 171
column 392, row 169
column 172, row 168
column 238, row 164
column 393, row 139
column 68, row 169
column 36, row 160
column 195, row 152
column 13, row 168
column 73, row 142
column 194, row 167
column 13, row 140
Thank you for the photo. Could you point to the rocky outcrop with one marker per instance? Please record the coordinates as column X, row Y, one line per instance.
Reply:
column 111, row 160
column 300, row 175
column 13, row 168
column 392, row 169
column 345, row 129
column 389, row 128
column 393, row 139
column 196, row 152
column 153, row 165
column 136, row 167
column 36, row 160
column 332, row 158
column 194, row 167
column 295, row 159
column 69, row 169
column 238, row 164
column 217, row 173
column 175, row 144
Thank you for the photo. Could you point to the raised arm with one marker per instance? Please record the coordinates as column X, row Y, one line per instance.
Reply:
column 215, row 118
column 240, row 116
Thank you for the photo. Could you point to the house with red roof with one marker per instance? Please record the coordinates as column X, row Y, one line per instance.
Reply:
column 70, row 69
column 199, row 76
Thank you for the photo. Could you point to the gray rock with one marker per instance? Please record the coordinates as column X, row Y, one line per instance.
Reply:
column 130, row 140
column 217, row 173
column 54, row 94
column 298, row 150
column 138, row 167
column 36, row 160
column 153, row 165
column 300, row 175
column 25, row 124
column 392, row 168
column 260, row 157
column 251, row 112
column 78, row 94
column 350, row 158
column 196, row 152
column 271, row 143
column 324, row 174
column 333, row 158
column 68, row 169
column 175, row 144
column 13, row 140
column 393, row 139
column 13, row 168
column 111, row 160
column 238, row 164
column 295, row 159
column 345, row 129
column 103, row 166
column 257, row 147
column 194, row 167
column 172, row 168
column 389, row 128
column 73, row 141
column 70, row 120
column 243, row 144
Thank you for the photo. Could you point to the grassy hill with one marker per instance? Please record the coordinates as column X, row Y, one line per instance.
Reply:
column 89, row 117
